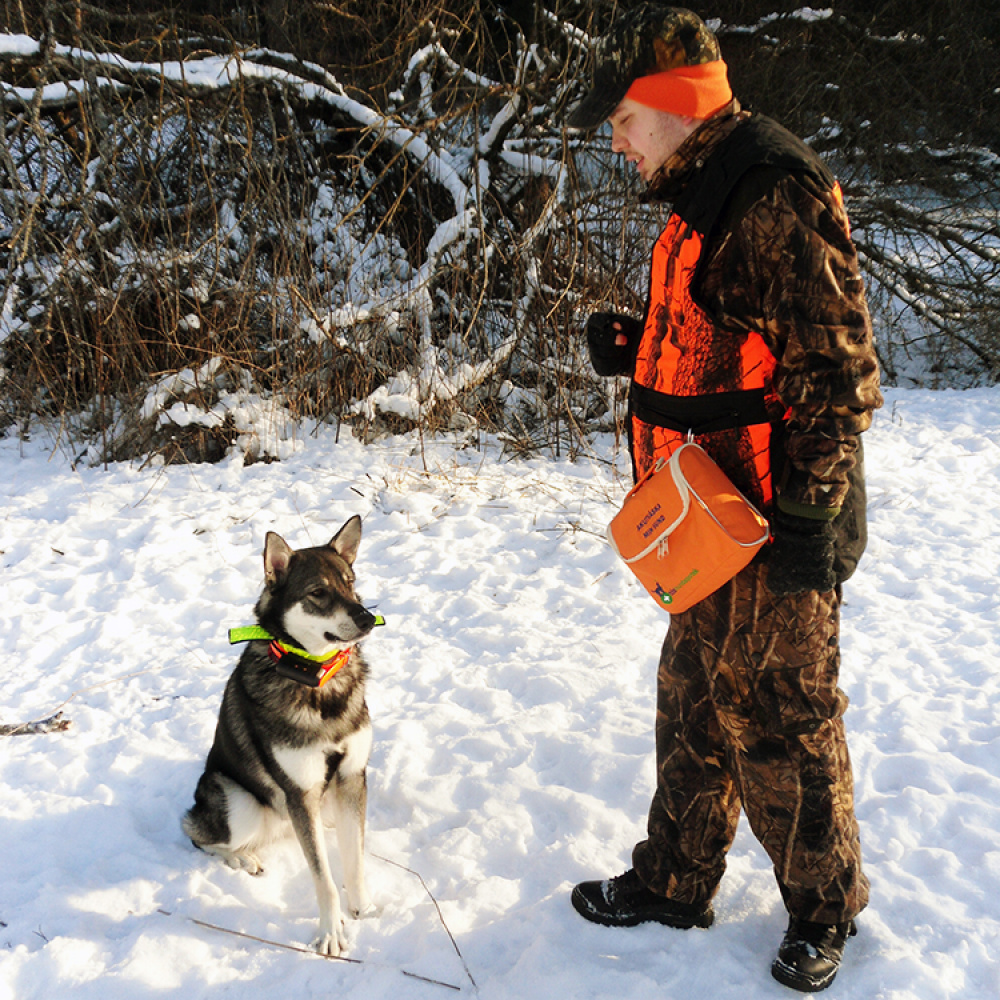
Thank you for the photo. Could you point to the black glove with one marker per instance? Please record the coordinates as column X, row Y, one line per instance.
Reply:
column 607, row 356
column 801, row 556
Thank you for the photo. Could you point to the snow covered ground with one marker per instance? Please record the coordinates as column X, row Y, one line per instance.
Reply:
column 512, row 698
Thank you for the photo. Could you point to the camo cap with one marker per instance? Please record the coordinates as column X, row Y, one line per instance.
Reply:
column 645, row 40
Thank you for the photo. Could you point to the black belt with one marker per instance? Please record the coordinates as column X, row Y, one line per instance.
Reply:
column 717, row 411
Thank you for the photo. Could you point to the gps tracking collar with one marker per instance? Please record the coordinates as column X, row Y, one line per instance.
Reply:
column 294, row 663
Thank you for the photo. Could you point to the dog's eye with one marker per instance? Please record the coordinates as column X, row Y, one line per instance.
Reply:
column 318, row 593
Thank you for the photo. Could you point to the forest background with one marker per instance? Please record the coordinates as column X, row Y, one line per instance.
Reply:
column 368, row 213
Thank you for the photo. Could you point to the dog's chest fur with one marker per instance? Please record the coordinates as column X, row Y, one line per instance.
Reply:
column 315, row 765
column 289, row 732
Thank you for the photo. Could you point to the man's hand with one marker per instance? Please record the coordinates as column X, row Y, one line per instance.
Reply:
column 801, row 556
column 613, row 339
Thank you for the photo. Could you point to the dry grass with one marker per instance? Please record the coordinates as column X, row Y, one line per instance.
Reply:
column 414, row 243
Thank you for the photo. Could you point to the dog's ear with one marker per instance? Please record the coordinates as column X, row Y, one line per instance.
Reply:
column 345, row 543
column 277, row 555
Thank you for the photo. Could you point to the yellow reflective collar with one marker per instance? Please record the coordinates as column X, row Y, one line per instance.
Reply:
column 293, row 662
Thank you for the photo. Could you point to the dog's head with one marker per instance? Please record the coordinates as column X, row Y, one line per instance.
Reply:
column 309, row 593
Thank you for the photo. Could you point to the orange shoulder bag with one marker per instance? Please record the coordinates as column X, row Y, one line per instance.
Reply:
column 685, row 529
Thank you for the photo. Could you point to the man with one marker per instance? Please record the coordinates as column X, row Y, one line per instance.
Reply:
column 757, row 339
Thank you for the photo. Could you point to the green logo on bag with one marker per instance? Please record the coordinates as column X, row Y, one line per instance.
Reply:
column 667, row 596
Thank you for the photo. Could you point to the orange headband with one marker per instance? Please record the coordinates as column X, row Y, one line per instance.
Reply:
column 696, row 91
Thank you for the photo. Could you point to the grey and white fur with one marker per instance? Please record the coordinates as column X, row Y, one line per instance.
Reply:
column 289, row 754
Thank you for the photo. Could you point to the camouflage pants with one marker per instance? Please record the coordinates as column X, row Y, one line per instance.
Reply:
column 749, row 714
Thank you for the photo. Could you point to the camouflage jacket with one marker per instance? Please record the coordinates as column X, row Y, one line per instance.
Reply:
column 780, row 262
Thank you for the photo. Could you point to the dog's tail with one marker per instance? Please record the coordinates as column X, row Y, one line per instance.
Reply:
column 206, row 822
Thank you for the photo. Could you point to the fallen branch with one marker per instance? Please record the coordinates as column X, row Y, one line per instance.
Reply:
column 272, row 944
column 454, row 943
column 303, row 951
column 53, row 724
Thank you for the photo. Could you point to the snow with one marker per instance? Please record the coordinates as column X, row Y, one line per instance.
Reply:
column 512, row 699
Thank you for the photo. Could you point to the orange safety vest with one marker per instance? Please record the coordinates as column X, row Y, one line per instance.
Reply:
column 707, row 378
column 691, row 376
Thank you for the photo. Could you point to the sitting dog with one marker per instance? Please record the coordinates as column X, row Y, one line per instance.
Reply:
column 293, row 736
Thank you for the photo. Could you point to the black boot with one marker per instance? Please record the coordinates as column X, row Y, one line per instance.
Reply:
column 624, row 902
column 810, row 954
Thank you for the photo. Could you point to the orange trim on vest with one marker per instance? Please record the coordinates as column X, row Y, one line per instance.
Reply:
column 682, row 353
column 838, row 197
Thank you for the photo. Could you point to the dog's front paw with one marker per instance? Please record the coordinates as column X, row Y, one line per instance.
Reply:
column 331, row 942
